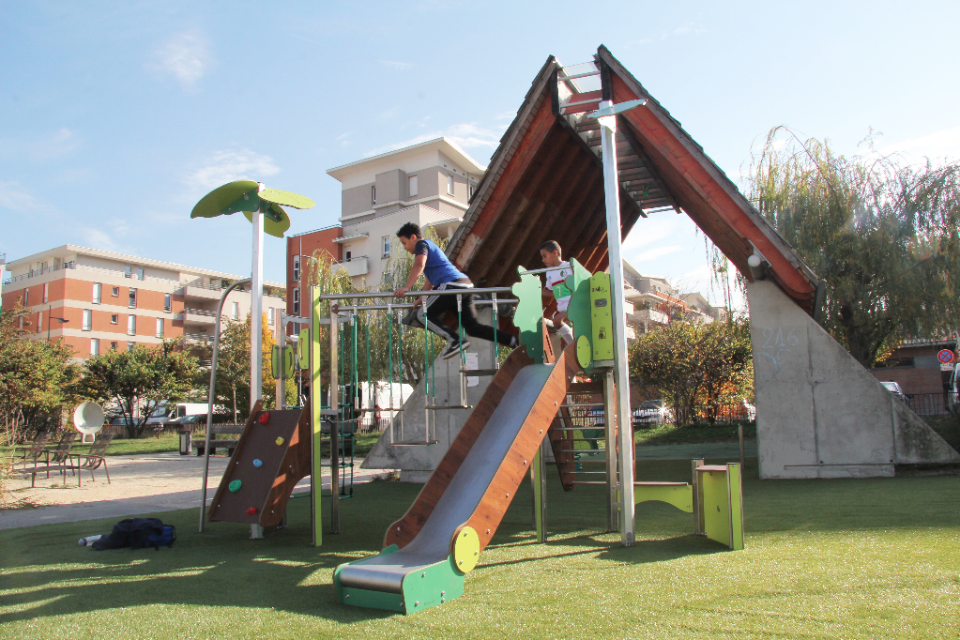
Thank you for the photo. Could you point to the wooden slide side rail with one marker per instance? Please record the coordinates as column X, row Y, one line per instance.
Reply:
column 512, row 472
column 404, row 530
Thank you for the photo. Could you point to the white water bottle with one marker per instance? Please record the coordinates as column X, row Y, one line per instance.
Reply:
column 86, row 542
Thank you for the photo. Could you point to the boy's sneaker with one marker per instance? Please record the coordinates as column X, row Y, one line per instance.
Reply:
column 453, row 348
column 411, row 319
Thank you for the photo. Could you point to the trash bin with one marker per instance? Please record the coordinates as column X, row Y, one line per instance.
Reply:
column 185, row 442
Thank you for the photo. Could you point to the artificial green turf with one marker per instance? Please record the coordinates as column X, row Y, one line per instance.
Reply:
column 870, row 558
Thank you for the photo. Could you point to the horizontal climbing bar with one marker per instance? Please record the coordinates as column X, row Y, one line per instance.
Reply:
column 582, row 404
column 431, row 292
column 449, row 406
column 410, row 305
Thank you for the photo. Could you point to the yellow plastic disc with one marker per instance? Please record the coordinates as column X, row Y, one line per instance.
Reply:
column 466, row 549
column 584, row 352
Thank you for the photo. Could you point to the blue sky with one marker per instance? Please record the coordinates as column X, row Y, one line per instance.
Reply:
column 115, row 118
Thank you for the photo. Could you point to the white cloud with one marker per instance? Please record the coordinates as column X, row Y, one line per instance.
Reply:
column 657, row 252
column 648, row 231
column 936, row 146
column 467, row 135
column 399, row 66
column 344, row 139
column 185, row 56
column 225, row 166
column 16, row 197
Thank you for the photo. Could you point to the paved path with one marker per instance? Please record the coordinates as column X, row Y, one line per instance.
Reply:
column 139, row 484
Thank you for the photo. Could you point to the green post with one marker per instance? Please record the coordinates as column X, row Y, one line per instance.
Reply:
column 316, row 406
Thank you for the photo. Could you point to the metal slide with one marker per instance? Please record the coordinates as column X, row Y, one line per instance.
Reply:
column 428, row 569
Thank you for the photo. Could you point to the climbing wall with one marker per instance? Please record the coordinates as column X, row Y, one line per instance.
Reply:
column 273, row 454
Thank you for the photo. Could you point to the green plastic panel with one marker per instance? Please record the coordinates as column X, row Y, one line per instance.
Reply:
column 680, row 496
column 601, row 316
column 303, row 349
column 529, row 315
column 214, row 203
column 275, row 362
column 287, row 198
column 578, row 311
column 722, row 505
column 271, row 226
column 734, row 483
column 432, row 585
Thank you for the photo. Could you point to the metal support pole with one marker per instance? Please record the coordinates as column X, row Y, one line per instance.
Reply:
column 316, row 409
column 610, row 430
column 210, row 396
column 281, row 346
column 611, row 187
column 256, row 311
column 334, row 427
column 538, row 478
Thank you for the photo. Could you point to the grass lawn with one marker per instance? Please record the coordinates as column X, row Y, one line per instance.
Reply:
column 872, row 558
column 665, row 434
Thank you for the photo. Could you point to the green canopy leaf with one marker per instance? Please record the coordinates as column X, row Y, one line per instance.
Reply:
column 287, row 198
column 239, row 195
column 275, row 220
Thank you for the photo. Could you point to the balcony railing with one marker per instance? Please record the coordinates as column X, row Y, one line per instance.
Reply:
column 201, row 312
column 33, row 273
column 199, row 337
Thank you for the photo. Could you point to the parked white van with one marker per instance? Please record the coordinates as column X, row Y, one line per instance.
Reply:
column 167, row 412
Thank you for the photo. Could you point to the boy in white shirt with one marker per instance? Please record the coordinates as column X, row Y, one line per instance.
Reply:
column 556, row 287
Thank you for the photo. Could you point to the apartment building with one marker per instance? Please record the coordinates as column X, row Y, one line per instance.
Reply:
column 656, row 302
column 301, row 250
column 430, row 183
column 97, row 300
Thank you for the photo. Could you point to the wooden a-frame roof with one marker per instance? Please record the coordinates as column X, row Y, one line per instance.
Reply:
column 545, row 182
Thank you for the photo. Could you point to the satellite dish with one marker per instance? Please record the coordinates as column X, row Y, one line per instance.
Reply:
column 88, row 418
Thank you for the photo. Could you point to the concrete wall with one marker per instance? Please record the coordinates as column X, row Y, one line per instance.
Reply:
column 820, row 414
column 416, row 463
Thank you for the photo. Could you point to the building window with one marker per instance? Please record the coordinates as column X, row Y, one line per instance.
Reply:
column 373, row 194
column 115, row 292
column 127, row 271
column 296, row 302
column 113, row 346
column 97, row 288
column 139, row 274
column 296, row 268
column 450, row 185
column 26, row 297
column 131, row 325
column 159, row 327
column 386, row 246
column 39, row 321
column 130, row 346
column 236, row 311
column 133, row 298
column 470, row 191
column 347, row 255
column 412, row 188
column 166, row 303
column 46, row 292
column 114, row 318
column 94, row 347
column 87, row 319
column 270, row 314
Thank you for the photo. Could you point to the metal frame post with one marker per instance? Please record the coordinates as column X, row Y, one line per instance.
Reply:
column 335, row 426
column 280, row 338
column 210, row 396
column 610, row 428
column 611, row 188
column 316, row 411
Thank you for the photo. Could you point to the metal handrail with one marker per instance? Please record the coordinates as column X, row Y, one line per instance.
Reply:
column 431, row 292
column 213, row 383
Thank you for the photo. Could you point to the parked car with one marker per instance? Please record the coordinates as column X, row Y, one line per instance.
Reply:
column 120, row 421
column 895, row 389
column 189, row 423
column 652, row 412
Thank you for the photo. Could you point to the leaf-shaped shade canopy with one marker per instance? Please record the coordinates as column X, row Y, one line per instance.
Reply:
column 287, row 198
column 275, row 219
column 228, row 199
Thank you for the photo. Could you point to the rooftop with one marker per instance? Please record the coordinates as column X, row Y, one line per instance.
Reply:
column 441, row 144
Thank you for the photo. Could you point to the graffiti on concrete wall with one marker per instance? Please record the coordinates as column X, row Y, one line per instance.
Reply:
column 776, row 344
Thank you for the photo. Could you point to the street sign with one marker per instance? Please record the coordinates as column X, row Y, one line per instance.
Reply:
column 946, row 366
column 945, row 356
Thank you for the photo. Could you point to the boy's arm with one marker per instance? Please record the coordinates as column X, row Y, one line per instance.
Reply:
column 419, row 262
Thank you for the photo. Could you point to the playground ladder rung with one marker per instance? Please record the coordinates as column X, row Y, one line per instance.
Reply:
column 661, row 484
column 576, row 429
column 581, row 404
column 582, row 450
column 590, row 473
column 588, row 482
column 480, row 372
column 450, row 406
column 415, row 444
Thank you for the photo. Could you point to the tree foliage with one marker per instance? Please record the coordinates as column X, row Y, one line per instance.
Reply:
column 139, row 380
column 885, row 236
column 37, row 377
column 696, row 367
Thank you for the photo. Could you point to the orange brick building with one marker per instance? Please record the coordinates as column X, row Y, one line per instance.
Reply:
column 97, row 300
column 300, row 249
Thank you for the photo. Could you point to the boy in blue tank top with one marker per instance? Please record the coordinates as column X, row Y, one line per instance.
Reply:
column 432, row 262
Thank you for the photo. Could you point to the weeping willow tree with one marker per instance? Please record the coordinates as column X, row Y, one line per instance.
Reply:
column 884, row 235
column 378, row 329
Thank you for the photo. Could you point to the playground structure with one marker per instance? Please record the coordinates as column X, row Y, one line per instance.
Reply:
column 564, row 151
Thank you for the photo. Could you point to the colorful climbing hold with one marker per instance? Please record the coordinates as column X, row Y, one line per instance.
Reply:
column 280, row 442
column 234, row 486
column 252, row 511
column 264, row 417
column 257, row 462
